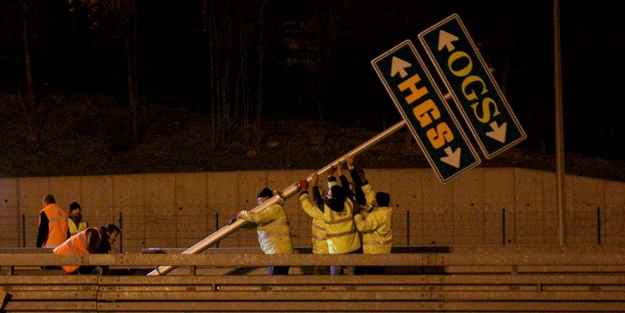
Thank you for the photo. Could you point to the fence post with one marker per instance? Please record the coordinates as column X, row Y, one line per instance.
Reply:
column 121, row 238
column 503, row 226
column 408, row 228
column 598, row 225
column 23, row 230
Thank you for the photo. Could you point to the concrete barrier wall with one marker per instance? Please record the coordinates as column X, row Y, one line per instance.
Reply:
column 157, row 204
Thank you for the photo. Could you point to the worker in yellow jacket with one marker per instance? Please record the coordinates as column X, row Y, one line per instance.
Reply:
column 377, row 234
column 273, row 228
column 336, row 210
column 75, row 222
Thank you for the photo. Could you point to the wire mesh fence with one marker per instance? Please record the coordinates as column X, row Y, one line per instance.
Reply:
column 410, row 228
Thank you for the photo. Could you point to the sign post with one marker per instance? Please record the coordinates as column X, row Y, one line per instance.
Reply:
column 477, row 95
column 425, row 111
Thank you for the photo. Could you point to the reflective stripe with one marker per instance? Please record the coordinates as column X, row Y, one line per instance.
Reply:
column 345, row 233
column 276, row 223
column 343, row 220
column 83, row 240
column 54, row 219
column 71, row 247
column 334, row 220
column 265, row 237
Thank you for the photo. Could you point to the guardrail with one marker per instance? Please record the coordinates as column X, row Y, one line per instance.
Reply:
column 499, row 279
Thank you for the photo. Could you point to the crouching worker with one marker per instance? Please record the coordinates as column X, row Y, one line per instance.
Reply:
column 93, row 240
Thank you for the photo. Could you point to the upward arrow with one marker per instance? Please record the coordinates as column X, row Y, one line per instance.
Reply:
column 445, row 40
column 399, row 66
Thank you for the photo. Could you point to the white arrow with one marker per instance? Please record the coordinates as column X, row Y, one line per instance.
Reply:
column 399, row 66
column 453, row 157
column 445, row 40
column 498, row 133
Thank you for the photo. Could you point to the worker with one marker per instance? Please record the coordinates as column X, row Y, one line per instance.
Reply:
column 75, row 222
column 53, row 228
column 375, row 227
column 273, row 228
column 318, row 231
column 336, row 210
column 93, row 240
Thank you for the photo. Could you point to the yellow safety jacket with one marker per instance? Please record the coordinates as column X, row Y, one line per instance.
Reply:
column 73, row 230
column 342, row 236
column 370, row 196
column 318, row 237
column 318, row 232
column 76, row 244
column 377, row 236
column 57, row 224
column 272, row 226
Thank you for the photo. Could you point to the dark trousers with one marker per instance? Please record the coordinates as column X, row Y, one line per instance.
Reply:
column 338, row 269
column 278, row 270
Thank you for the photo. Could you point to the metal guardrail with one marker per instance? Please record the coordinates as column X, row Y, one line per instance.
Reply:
column 497, row 279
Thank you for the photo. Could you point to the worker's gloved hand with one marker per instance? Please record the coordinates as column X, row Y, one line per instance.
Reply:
column 331, row 170
column 232, row 220
column 303, row 185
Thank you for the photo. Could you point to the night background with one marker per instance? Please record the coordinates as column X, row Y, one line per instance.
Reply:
column 97, row 87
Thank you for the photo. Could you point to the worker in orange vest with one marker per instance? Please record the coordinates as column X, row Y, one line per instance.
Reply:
column 93, row 240
column 53, row 228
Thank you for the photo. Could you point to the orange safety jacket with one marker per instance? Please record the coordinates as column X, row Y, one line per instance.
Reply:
column 57, row 224
column 76, row 244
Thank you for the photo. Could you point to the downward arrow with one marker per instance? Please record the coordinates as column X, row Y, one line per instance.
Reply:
column 498, row 133
column 399, row 66
column 445, row 40
column 453, row 157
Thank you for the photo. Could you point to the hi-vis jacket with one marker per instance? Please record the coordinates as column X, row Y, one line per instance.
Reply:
column 318, row 232
column 377, row 236
column 318, row 236
column 73, row 230
column 341, row 233
column 370, row 196
column 272, row 226
column 57, row 224
column 76, row 244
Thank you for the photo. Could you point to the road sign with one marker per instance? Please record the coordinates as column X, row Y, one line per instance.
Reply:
column 426, row 113
column 472, row 86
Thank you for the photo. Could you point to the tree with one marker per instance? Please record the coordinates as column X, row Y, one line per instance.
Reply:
column 27, row 29
column 118, row 20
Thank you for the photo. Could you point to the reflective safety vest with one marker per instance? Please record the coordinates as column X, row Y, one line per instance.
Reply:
column 341, row 232
column 57, row 224
column 73, row 230
column 76, row 244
